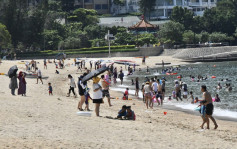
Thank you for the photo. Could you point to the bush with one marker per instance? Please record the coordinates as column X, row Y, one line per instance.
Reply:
column 219, row 37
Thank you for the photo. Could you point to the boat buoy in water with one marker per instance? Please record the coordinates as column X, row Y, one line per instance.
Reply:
column 213, row 77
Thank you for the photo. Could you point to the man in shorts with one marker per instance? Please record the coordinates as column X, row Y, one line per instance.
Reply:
column 209, row 106
column 105, row 89
column 39, row 76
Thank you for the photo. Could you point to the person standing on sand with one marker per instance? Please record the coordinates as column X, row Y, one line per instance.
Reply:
column 105, row 87
column 137, row 87
column 121, row 75
column 209, row 106
column 45, row 64
column 39, row 75
column 178, row 91
column 97, row 95
column 147, row 94
column 22, row 84
column 13, row 84
column 81, row 90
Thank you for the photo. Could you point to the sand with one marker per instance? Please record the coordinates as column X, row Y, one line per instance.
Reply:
column 42, row 121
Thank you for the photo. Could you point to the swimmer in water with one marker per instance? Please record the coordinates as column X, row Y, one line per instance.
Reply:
column 219, row 86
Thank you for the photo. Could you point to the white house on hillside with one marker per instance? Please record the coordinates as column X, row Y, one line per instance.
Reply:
column 163, row 8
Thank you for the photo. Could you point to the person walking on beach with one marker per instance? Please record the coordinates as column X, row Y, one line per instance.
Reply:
column 105, row 87
column 39, row 75
column 22, row 84
column 209, row 106
column 45, row 64
column 121, row 75
column 97, row 95
column 72, row 85
column 137, row 87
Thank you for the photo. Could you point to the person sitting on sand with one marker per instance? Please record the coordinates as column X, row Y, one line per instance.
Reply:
column 217, row 99
column 130, row 114
column 122, row 112
column 57, row 72
column 125, row 95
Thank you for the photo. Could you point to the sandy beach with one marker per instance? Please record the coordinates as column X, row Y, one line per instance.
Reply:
column 41, row 121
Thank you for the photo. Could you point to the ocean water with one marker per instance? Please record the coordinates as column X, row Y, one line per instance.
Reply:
column 221, row 70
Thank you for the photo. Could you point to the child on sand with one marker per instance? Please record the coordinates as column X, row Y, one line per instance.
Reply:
column 192, row 98
column 130, row 114
column 174, row 94
column 122, row 112
column 50, row 89
column 87, row 96
column 202, row 112
column 125, row 96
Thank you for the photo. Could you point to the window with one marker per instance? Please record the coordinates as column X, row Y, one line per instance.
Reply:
column 104, row 6
column 97, row 6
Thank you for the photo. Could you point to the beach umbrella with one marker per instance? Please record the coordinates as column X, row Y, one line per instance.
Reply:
column 94, row 73
column 12, row 71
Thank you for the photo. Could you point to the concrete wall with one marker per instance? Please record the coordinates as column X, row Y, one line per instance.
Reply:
column 142, row 52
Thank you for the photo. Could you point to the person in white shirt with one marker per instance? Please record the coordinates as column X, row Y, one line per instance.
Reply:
column 97, row 95
column 72, row 85
column 39, row 75
column 155, row 87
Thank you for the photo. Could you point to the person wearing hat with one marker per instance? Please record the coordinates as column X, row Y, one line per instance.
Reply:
column 97, row 95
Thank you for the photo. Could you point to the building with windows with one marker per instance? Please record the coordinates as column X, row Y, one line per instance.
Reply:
column 101, row 6
column 163, row 8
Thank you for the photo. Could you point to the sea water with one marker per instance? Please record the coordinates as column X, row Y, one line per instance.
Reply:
column 221, row 70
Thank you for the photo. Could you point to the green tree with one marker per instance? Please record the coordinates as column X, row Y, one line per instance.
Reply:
column 204, row 37
column 51, row 39
column 85, row 16
column 123, row 38
column 146, row 38
column 189, row 37
column 171, row 33
column 219, row 37
column 5, row 37
column 183, row 16
column 147, row 6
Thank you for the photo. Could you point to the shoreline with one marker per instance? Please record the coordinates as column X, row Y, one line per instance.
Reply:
column 174, row 108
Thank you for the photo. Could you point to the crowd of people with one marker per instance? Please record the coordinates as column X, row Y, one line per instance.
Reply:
column 153, row 90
